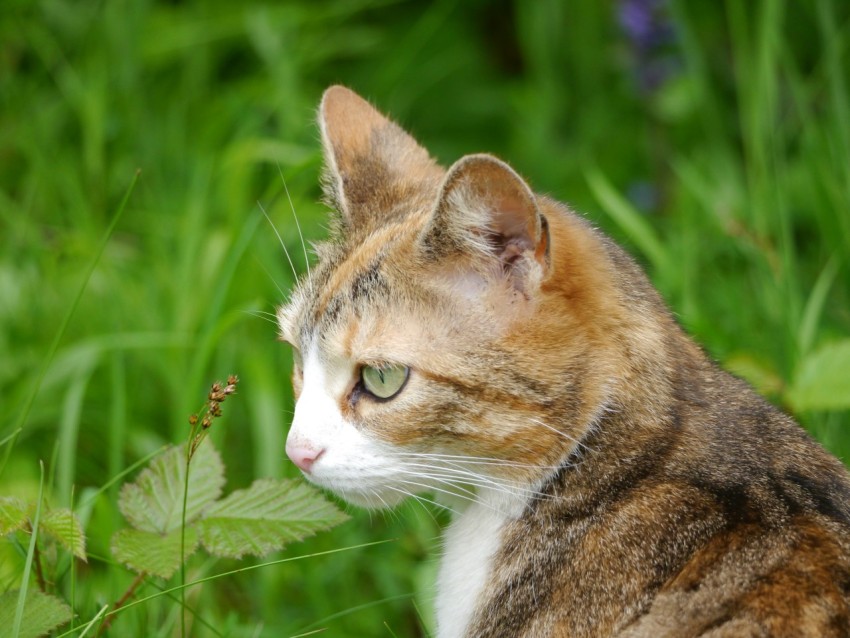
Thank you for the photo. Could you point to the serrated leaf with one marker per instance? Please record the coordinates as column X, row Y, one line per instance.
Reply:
column 154, row 502
column 150, row 552
column 63, row 525
column 42, row 613
column 265, row 517
column 823, row 379
column 13, row 514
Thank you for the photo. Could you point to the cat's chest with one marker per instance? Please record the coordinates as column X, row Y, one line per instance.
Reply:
column 470, row 545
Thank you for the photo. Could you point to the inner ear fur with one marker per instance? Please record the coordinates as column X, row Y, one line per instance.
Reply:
column 372, row 166
column 487, row 210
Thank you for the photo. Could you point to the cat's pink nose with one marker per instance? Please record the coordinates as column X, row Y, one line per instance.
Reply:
column 303, row 456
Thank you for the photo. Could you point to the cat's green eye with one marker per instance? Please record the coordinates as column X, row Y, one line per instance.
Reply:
column 384, row 382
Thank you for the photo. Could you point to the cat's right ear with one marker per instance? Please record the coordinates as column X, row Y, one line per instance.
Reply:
column 373, row 168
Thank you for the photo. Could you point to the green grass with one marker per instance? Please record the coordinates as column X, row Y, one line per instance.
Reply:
column 730, row 181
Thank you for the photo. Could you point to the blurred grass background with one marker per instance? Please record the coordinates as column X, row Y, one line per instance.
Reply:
column 712, row 139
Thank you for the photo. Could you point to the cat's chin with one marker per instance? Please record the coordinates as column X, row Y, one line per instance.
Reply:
column 373, row 498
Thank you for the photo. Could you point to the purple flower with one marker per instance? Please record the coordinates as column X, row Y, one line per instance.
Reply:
column 649, row 31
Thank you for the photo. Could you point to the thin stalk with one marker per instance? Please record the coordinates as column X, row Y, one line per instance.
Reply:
column 207, row 579
column 54, row 346
column 189, row 448
column 39, row 572
column 108, row 617
column 92, row 622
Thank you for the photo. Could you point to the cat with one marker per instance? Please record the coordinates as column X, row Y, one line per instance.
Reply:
column 460, row 334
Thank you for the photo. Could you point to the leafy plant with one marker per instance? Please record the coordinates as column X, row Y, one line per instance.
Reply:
column 254, row 521
column 34, row 612
column 41, row 613
column 173, row 508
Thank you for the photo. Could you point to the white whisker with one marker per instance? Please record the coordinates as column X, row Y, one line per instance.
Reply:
column 444, row 479
column 280, row 239
column 478, row 460
column 569, row 438
column 273, row 280
column 478, row 480
column 297, row 225
column 259, row 314
column 421, row 499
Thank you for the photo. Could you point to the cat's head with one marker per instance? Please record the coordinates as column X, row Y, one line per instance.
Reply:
column 436, row 337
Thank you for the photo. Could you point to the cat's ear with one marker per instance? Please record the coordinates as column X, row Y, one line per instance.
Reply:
column 374, row 169
column 487, row 212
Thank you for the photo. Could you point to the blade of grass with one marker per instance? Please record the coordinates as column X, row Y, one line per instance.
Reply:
column 69, row 429
column 92, row 622
column 814, row 306
column 51, row 352
column 356, row 608
column 422, row 624
column 215, row 322
column 837, row 77
column 25, row 580
column 630, row 221
column 9, row 437
column 244, row 569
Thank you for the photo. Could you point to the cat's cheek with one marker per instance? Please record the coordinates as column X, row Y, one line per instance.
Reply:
column 334, row 454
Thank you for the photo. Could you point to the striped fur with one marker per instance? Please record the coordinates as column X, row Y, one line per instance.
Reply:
column 629, row 486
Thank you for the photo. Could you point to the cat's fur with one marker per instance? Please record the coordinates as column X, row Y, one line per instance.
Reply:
column 638, row 490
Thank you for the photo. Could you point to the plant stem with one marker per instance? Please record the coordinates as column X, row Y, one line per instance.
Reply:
column 189, row 450
column 120, row 603
column 39, row 573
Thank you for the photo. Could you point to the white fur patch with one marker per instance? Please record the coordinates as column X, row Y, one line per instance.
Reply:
column 470, row 543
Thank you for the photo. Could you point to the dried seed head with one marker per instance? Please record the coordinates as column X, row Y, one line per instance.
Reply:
column 232, row 380
column 193, row 419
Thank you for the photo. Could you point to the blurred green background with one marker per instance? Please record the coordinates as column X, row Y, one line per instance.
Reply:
column 712, row 139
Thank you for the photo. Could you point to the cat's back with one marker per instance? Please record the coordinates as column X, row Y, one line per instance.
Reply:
column 732, row 521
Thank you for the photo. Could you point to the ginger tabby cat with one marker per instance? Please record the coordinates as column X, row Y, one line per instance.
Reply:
column 464, row 336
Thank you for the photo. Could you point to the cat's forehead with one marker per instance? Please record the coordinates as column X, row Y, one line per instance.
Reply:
column 369, row 287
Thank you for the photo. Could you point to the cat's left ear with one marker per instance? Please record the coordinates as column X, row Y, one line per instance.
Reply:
column 488, row 213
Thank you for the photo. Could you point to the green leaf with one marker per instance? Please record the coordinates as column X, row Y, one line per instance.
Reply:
column 63, row 525
column 823, row 379
column 42, row 613
column 265, row 517
column 154, row 502
column 150, row 552
column 13, row 514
